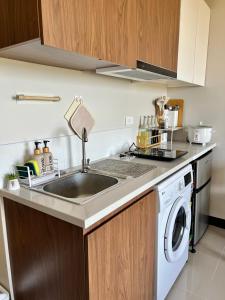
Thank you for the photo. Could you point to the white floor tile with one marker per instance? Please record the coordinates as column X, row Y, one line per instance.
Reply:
column 216, row 288
column 204, row 275
column 176, row 294
column 213, row 241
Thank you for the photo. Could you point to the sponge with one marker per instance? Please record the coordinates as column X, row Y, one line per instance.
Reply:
column 33, row 165
column 23, row 172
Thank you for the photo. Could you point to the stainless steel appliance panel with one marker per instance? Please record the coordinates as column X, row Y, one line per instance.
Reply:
column 201, row 212
column 204, row 170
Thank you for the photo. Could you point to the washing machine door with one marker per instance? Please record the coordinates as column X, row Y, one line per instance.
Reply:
column 177, row 229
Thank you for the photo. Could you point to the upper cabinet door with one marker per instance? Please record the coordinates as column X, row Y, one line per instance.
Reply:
column 193, row 41
column 158, row 32
column 118, row 32
column 187, row 40
column 97, row 28
column 202, row 38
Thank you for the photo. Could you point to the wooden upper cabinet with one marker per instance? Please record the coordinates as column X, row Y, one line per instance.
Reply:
column 158, row 32
column 202, row 39
column 193, row 41
column 121, row 254
column 104, row 32
column 98, row 28
column 18, row 21
column 187, row 40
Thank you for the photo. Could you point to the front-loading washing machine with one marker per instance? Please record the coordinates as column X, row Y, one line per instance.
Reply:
column 174, row 221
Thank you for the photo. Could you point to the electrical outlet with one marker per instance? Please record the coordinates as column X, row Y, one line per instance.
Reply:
column 129, row 121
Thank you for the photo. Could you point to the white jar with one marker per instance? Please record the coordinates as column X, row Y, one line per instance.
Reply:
column 172, row 118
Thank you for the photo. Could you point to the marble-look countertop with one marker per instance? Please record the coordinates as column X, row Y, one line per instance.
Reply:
column 112, row 199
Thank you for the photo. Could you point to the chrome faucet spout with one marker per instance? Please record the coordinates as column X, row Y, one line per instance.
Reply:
column 85, row 162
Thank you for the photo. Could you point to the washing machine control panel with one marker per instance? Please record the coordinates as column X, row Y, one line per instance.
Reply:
column 174, row 187
column 188, row 178
column 172, row 192
column 181, row 186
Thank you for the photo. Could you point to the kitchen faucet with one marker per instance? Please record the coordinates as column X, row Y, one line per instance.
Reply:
column 85, row 162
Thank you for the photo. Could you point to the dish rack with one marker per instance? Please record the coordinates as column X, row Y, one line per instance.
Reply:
column 150, row 141
column 30, row 180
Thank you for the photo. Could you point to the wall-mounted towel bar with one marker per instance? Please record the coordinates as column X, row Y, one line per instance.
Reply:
column 21, row 97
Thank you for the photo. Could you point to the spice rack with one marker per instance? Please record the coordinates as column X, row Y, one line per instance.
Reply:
column 30, row 180
column 146, row 140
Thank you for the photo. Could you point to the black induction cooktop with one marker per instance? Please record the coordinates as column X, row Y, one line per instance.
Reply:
column 158, row 154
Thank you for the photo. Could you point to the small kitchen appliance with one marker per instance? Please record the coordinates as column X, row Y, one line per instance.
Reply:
column 200, row 134
column 202, row 169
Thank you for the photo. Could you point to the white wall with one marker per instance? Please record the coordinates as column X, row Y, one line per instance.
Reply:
column 208, row 104
column 108, row 99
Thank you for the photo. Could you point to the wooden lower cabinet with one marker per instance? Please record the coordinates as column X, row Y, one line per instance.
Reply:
column 121, row 254
column 46, row 255
column 52, row 259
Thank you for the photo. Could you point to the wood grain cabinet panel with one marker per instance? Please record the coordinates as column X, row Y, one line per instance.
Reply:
column 158, row 32
column 46, row 255
column 121, row 254
column 97, row 28
column 19, row 21
column 52, row 259
column 114, row 31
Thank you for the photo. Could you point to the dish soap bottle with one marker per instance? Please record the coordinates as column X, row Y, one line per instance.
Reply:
column 38, row 156
column 48, row 158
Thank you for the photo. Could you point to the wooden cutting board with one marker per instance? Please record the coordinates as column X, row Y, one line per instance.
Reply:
column 180, row 103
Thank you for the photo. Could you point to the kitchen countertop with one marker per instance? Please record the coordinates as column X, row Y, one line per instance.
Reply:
column 107, row 202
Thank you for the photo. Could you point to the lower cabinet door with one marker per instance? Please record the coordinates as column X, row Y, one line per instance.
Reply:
column 121, row 254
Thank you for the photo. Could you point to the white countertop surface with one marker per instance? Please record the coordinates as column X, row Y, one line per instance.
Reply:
column 106, row 202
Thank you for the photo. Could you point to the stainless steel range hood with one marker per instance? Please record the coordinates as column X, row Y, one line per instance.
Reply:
column 143, row 72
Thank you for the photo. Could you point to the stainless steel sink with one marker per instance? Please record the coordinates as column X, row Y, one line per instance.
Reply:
column 79, row 185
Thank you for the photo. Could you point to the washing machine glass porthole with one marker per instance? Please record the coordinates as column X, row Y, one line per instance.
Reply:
column 179, row 228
